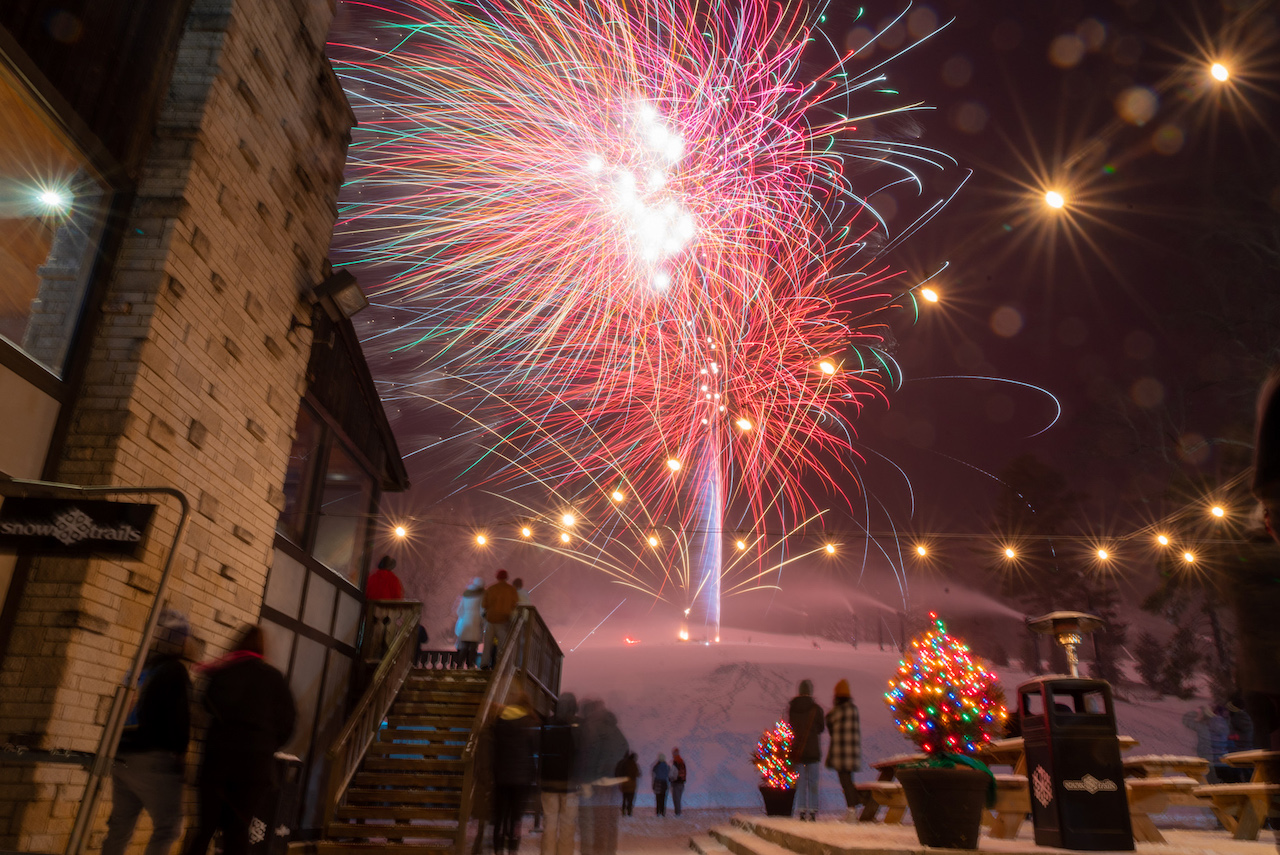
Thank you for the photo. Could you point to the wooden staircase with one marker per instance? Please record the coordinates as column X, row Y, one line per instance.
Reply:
column 406, row 796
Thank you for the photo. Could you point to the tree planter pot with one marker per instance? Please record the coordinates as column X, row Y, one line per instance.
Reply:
column 946, row 804
column 777, row 801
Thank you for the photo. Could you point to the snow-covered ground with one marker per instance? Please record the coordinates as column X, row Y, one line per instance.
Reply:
column 713, row 701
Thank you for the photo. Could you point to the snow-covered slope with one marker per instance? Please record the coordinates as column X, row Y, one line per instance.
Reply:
column 713, row 701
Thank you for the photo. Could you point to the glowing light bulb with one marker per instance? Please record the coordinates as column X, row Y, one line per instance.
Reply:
column 653, row 541
column 564, row 537
column 673, row 465
column 568, row 519
column 745, row 424
column 1103, row 555
column 929, row 294
column 1219, row 72
column 1162, row 540
column 617, row 495
column 481, row 539
column 526, row 532
column 1218, row 511
column 831, row 549
column 1009, row 553
column 52, row 199
column 827, row 367
column 921, row 551
column 401, row 531
column 741, row 544
column 1189, row 557
column 1054, row 199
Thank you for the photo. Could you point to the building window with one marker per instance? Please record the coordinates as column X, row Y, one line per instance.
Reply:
column 304, row 463
column 346, row 503
column 53, row 205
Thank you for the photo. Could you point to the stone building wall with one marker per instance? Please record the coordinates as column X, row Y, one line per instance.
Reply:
column 194, row 381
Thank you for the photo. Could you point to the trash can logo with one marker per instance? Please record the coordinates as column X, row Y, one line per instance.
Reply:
column 257, row 831
column 1043, row 786
column 1091, row 785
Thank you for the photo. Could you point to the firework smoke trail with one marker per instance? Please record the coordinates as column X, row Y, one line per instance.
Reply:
column 632, row 223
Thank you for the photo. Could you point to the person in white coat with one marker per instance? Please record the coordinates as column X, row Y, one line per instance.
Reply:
column 470, row 626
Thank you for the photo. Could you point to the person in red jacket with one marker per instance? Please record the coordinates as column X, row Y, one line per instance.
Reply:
column 383, row 584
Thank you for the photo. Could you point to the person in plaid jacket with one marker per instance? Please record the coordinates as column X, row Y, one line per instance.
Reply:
column 845, row 752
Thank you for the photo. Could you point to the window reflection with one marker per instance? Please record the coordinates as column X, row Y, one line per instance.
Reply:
column 345, row 506
column 303, row 461
column 52, row 209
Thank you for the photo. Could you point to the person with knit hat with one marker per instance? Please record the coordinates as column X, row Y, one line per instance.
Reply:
column 383, row 583
column 469, row 628
column 805, row 717
column 498, row 605
column 844, row 754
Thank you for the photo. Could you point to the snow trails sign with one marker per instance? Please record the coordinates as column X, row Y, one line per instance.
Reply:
column 74, row 527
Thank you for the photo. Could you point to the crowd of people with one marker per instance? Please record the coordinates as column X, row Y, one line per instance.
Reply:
column 251, row 716
column 844, row 748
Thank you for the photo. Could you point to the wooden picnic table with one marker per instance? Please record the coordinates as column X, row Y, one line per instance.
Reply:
column 1242, row 808
column 1011, row 752
column 1166, row 766
column 888, row 767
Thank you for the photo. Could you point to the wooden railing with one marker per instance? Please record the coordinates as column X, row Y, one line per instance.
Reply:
column 532, row 656
column 399, row 639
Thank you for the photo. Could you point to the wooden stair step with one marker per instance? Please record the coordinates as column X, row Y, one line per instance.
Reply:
column 433, row 696
column 417, row 748
column 329, row 847
column 439, row 721
column 369, row 796
column 433, row 710
column 399, row 831
column 395, row 812
column 391, row 779
column 705, row 844
column 740, row 841
column 400, row 764
column 469, row 681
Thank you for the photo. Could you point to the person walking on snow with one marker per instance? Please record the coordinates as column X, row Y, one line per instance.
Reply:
column 661, row 779
column 629, row 769
column 558, row 758
column 497, row 605
column 844, row 754
column 805, row 717
column 469, row 629
column 678, row 776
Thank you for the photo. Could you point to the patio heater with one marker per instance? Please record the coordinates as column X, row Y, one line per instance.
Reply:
column 1069, row 630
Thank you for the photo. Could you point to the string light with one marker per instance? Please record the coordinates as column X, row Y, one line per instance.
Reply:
column 481, row 540
column 773, row 758
column 922, row 551
column 526, row 532
column 944, row 699
column 1162, row 539
column 401, row 531
column 1219, row 72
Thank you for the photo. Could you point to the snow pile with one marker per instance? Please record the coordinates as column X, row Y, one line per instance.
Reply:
column 713, row 701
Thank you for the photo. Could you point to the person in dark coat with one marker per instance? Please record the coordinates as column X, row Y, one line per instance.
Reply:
column 601, row 746
column 515, row 770
column 844, row 754
column 558, row 758
column 661, row 782
column 151, row 757
column 679, row 774
column 805, row 717
column 252, row 716
column 628, row 768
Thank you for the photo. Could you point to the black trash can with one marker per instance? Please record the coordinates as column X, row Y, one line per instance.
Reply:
column 1074, row 770
column 272, row 828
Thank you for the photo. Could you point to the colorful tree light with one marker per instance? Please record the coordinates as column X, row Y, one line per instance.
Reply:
column 944, row 699
column 773, row 758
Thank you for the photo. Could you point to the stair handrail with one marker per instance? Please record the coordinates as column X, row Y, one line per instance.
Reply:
column 347, row 751
column 504, row 671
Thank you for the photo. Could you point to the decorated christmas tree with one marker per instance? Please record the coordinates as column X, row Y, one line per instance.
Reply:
column 944, row 699
column 773, row 758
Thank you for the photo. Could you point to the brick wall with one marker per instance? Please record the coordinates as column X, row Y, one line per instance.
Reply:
column 194, row 380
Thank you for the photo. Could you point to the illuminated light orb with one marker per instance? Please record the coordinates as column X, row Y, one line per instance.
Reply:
column 1163, row 540
column 1218, row 511
column 741, row 544
column 1189, row 557
column 617, row 495
column 526, row 532
column 684, row 635
column 52, row 198
column 564, row 537
column 827, row 367
column 673, row 465
column 1219, row 72
column 1103, row 555
column 1009, row 552
column 1054, row 199
column 481, row 540
column 653, row 541
column 921, row 551
column 745, row 424
column 401, row 531
column 929, row 294
column 831, row 549
column 569, row 519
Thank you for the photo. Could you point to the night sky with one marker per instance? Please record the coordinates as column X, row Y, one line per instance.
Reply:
column 1147, row 309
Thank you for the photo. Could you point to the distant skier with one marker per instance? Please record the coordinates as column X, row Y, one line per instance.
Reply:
column 844, row 754
column 661, row 781
column 805, row 717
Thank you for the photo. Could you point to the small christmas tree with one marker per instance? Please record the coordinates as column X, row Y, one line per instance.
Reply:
column 773, row 758
column 944, row 699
